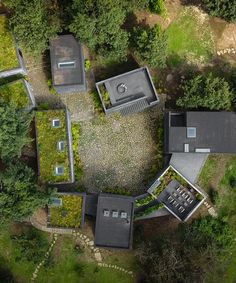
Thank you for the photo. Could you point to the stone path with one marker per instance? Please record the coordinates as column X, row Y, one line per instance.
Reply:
column 210, row 209
column 35, row 274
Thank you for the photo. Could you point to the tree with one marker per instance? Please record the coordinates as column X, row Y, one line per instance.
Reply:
column 20, row 196
column 14, row 130
column 98, row 23
column 34, row 22
column 206, row 92
column 225, row 9
column 150, row 45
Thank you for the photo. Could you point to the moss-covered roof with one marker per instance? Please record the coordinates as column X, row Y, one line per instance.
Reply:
column 8, row 57
column 69, row 215
column 47, row 141
column 15, row 93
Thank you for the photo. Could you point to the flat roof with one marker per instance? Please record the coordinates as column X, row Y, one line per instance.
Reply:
column 47, row 139
column 114, row 232
column 215, row 132
column 128, row 87
column 66, row 49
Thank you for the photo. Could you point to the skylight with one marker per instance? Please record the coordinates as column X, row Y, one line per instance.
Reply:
column 191, row 132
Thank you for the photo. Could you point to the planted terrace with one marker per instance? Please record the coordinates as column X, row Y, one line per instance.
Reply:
column 177, row 194
column 18, row 93
column 67, row 212
column 55, row 157
column 9, row 59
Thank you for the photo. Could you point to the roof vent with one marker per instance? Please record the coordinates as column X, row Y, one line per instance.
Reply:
column 121, row 88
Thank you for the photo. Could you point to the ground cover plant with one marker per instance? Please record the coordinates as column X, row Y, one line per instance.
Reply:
column 69, row 215
column 7, row 46
column 47, row 139
column 149, row 210
column 189, row 39
column 15, row 93
column 77, row 161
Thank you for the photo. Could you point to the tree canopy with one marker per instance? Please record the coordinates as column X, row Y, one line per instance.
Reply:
column 34, row 22
column 150, row 44
column 206, row 91
column 225, row 9
column 20, row 196
column 14, row 130
column 98, row 23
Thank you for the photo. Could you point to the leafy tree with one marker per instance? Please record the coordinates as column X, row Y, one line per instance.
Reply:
column 150, row 45
column 34, row 22
column 225, row 9
column 20, row 196
column 14, row 130
column 98, row 23
column 207, row 92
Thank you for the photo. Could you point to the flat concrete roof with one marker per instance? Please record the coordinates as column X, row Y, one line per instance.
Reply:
column 215, row 132
column 64, row 49
column 114, row 232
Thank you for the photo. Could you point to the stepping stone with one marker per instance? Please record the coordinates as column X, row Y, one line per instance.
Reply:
column 98, row 257
column 91, row 243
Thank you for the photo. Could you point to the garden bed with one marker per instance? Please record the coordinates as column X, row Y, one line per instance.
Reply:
column 9, row 59
column 70, row 214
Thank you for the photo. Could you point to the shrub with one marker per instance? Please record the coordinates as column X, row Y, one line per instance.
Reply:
column 158, row 7
column 77, row 161
column 206, row 91
column 87, row 65
column 150, row 44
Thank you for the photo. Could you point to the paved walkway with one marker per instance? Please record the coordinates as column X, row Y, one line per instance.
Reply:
column 189, row 164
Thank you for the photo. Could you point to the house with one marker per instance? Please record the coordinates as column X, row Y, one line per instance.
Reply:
column 128, row 93
column 18, row 92
column 11, row 62
column 114, row 221
column 67, row 65
column 179, row 196
column 200, row 132
column 54, row 146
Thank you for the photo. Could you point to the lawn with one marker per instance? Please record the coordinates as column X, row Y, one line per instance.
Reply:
column 189, row 38
column 15, row 93
column 68, row 215
column 47, row 139
column 9, row 58
column 229, row 179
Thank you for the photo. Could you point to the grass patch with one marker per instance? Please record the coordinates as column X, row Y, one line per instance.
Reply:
column 189, row 38
column 75, row 128
column 15, row 93
column 47, row 140
column 9, row 59
column 68, row 215
column 229, row 179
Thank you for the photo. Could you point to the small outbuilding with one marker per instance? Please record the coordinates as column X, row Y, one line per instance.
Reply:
column 114, row 221
column 128, row 93
column 67, row 65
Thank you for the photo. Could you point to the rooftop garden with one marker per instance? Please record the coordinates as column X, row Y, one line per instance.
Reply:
column 15, row 93
column 47, row 141
column 77, row 161
column 149, row 210
column 68, row 215
column 9, row 59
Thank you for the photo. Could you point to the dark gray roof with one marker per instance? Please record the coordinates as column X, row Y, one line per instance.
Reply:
column 129, row 92
column 215, row 132
column 114, row 232
column 63, row 49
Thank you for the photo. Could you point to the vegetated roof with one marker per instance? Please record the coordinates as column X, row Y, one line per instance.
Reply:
column 112, row 230
column 200, row 131
column 8, row 55
column 177, row 194
column 47, row 138
column 126, row 90
column 16, row 93
column 66, row 50
column 70, row 214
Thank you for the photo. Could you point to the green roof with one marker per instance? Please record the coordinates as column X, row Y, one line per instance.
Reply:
column 69, row 215
column 8, row 55
column 15, row 93
column 47, row 142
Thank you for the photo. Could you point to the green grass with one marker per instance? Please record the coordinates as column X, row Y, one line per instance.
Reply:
column 189, row 39
column 69, row 215
column 7, row 47
column 15, row 93
column 47, row 138
column 229, row 179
